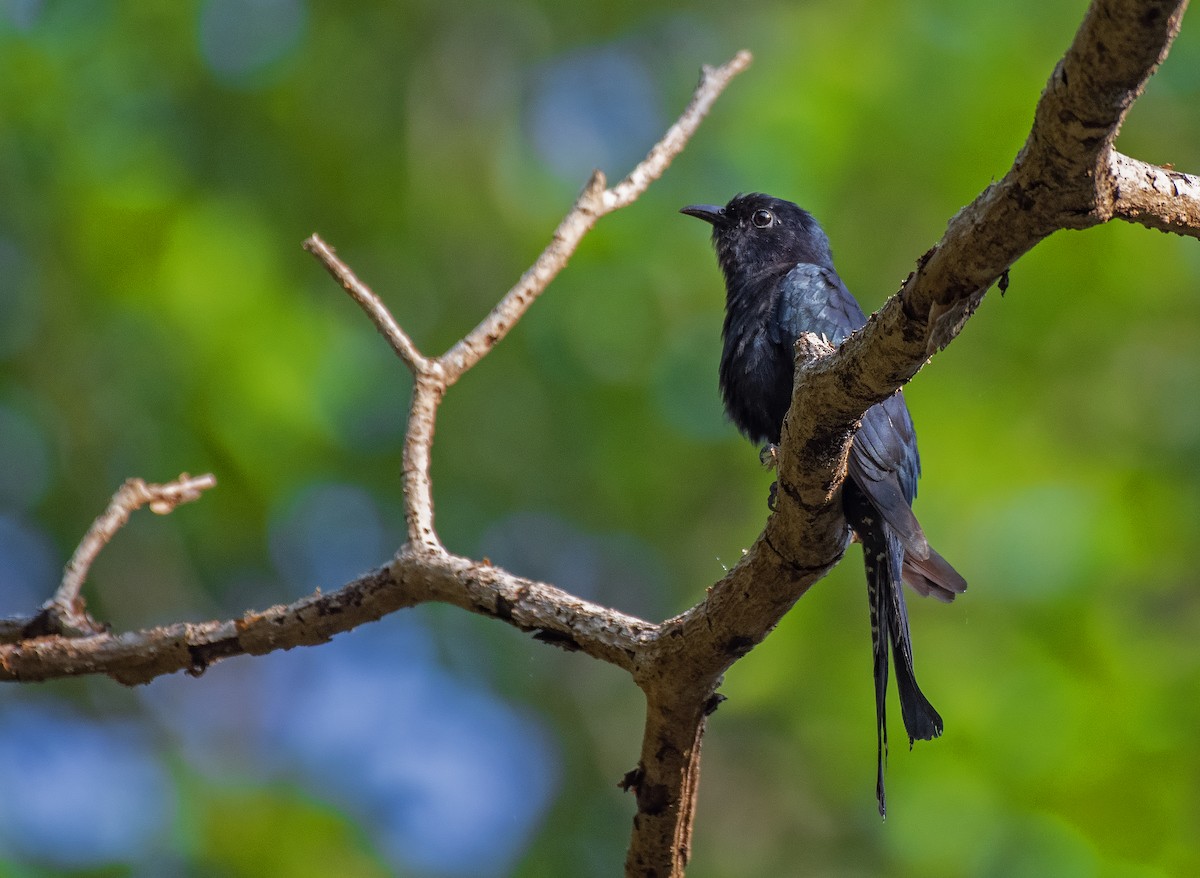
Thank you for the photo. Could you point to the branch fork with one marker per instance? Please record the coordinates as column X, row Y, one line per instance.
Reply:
column 66, row 612
column 1066, row 176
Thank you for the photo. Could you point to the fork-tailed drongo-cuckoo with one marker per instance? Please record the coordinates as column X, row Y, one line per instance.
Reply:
column 780, row 282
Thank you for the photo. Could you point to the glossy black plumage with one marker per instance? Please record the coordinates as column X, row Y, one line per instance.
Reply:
column 780, row 282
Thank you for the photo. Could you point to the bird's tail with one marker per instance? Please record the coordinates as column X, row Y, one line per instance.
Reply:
column 883, row 555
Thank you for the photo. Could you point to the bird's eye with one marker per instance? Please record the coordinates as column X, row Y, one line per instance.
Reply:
column 762, row 218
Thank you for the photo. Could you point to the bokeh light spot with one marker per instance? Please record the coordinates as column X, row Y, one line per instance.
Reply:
column 327, row 535
column 19, row 301
column 24, row 482
column 593, row 109
column 28, row 567
column 239, row 38
column 83, row 791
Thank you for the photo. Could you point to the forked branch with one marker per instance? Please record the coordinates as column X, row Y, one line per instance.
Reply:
column 66, row 612
column 1066, row 176
column 422, row 570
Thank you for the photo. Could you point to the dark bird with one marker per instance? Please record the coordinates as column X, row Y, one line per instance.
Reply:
column 780, row 282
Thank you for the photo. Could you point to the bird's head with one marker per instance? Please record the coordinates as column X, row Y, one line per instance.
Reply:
column 756, row 232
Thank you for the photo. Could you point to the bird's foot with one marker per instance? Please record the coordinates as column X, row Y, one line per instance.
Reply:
column 769, row 456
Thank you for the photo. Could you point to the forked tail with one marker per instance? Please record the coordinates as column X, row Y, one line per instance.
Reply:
column 883, row 557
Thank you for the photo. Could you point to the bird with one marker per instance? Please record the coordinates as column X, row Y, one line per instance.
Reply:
column 780, row 282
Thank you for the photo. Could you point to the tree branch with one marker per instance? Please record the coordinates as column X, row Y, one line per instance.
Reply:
column 1055, row 182
column 1058, row 180
column 1066, row 176
column 413, row 578
column 422, row 570
column 66, row 612
column 1158, row 198
column 434, row 377
column 594, row 202
column 131, row 496
column 404, row 347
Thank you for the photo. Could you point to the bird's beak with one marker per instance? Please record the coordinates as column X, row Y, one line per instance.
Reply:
column 710, row 213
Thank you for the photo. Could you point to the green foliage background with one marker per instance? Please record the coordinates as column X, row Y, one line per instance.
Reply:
column 159, row 316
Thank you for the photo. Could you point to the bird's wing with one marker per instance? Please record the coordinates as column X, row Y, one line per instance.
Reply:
column 885, row 463
column 887, row 445
column 883, row 458
column 812, row 298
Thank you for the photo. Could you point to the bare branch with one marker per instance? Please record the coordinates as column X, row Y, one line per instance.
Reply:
column 434, row 376
column 1057, row 181
column 713, row 81
column 661, row 843
column 413, row 578
column 554, row 615
column 133, row 495
column 577, row 223
column 1117, row 48
column 1158, row 198
column 370, row 303
column 594, row 202
column 66, row 612
column 418, row 445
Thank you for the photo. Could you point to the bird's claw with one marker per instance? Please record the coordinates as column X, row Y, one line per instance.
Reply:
column 769, row 456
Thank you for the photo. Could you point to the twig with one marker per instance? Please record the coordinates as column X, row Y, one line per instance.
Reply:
column 578, row 222
column 434, row 376
column 66, row 611
column 713, row 81
column 370, row 303
column 1158, row 198
column 594, row 202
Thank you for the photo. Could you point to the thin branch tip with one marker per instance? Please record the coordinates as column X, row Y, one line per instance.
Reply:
column 315, row 244
column 162, row 499
column 396, row 337
column 593, row 202
column 743, row 59
column 596, row 183
column 734, row 65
